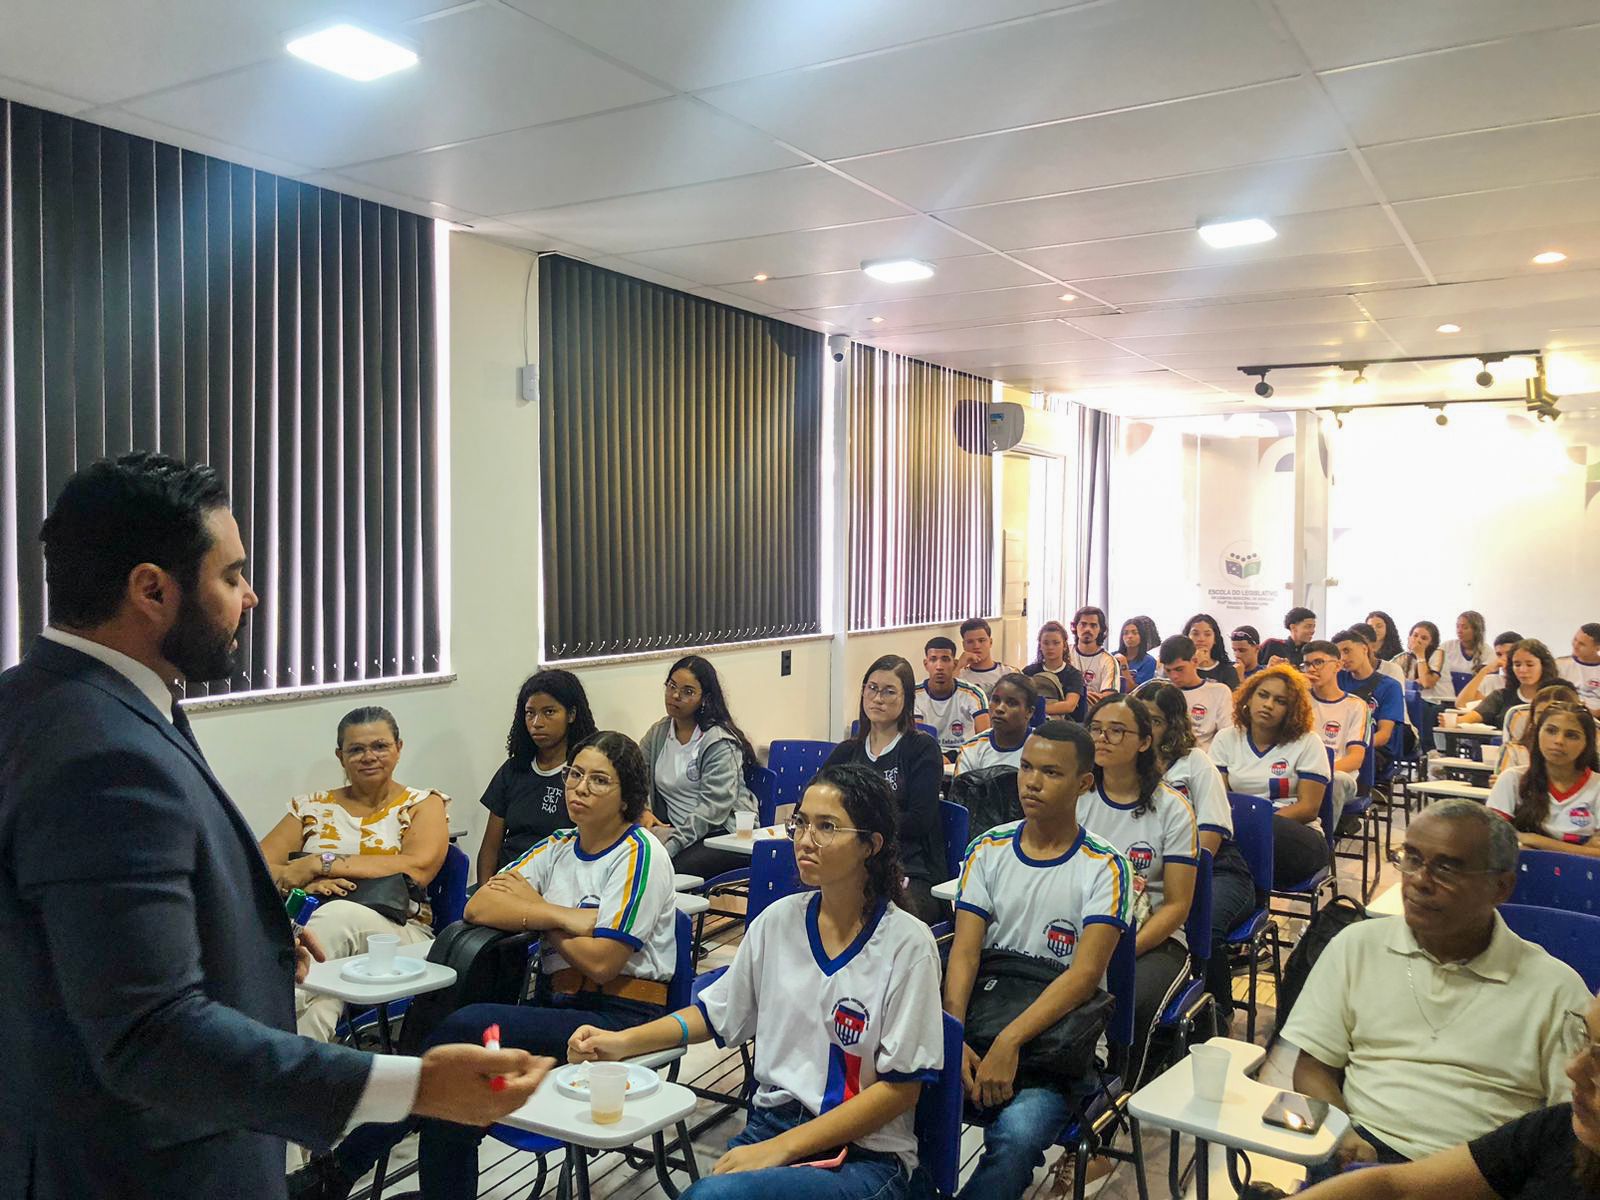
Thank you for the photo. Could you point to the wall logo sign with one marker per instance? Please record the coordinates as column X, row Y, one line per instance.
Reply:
column 1241, row 565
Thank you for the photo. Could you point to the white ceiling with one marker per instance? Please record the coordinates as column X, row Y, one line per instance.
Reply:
column 1414, row 156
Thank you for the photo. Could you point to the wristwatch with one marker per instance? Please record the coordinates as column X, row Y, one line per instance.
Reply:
column 328, row 859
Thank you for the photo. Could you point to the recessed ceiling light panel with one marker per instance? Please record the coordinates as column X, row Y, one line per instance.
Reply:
column 1549, row 258
column 898, row 270
column 352, row 52
column 1449, row 327
column 1225, row 234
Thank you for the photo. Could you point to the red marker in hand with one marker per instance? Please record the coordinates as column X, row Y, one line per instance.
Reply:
column 491, row 1041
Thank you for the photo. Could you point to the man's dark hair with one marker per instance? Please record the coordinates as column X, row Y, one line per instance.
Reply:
column 1246, row 633
column 1591, row 630
column 1367, row 630
column 1353, row 634
column 939, row 643
column 1320, row 647
column 1176, row 648
column 1509, row 638
column 1057, row 729
column 975, row 623
column 117, row 513
column 1297, row 614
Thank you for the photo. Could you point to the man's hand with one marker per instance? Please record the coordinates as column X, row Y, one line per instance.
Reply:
column 1353, row 1148
column 997, row 1074
column 307, row 950
column 456, row 1083
column 757, row 1157
column 969, row 1071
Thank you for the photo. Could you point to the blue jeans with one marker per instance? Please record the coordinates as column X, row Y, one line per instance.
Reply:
column 857, row 1178
column 1015, row 1142
column 448, row 1154
column 1233, row 898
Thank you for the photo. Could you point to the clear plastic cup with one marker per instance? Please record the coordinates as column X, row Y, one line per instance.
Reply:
column 608, row 1084
column 1210, row 1065
column 744, row 823
column 381, row 949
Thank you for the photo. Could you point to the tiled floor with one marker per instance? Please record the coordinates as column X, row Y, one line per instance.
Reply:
column 505, row 1173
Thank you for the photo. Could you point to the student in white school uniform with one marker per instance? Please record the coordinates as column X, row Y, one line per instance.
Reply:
column 840, row 990
column 1341, row 720
column 1270, row 751
column 1210, row 703
column 1046, row 887
column 977, row 664
column 955, row 709
column 1011, row 706
column 1153, row 827
column 1555, row 800
column 1097, row 665
column 1423, row 662
column 1582, row 670
column 1466, row 654
column 1516, row 746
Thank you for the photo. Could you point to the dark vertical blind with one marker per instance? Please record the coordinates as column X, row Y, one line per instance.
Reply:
column 158, row 299
column 680, row 450
column 921, row 520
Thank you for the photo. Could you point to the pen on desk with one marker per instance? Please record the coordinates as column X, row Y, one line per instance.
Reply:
column 491, row 1041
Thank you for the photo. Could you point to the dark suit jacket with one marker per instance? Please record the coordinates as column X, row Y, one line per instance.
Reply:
column 146, row 964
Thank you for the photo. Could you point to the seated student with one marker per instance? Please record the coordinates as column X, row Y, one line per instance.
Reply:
column 839, row 988
column 1210, row 652
column 910, row 763
column 1046, row 887
column 1245, row 642
column 1467, row 653
column 1011, row 706
column 1301, row 623
column 954, row 708
column 1554, row 801
column 1516, row 749
column 1492, row 676
column 1210, row 703
column 1133, row 809
column 372, row 828
column 697, row 757
column 977, row 664
column 1190, row 773
column 1095, row 663
column 1386, row 635
column 1552, row 1153
column 1270, row 751
column 1439, row 1025
column 601, row 896
column 527, row 798
column 1385, row 697
column 1137, row 661
column 1423, row 661
column 1340, row 720
column 1582, row 670
column 1051, row 660
column 1530, row 666
column 1380, row 664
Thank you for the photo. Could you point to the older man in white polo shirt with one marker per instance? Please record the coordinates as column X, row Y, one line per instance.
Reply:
column 1435, row 1028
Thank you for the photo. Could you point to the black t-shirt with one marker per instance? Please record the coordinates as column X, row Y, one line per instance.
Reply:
column 532, row 805
column 913, row 768
column 1281, row 648
column 1224, row 673
column 1072, row 684
column 1532, row 1157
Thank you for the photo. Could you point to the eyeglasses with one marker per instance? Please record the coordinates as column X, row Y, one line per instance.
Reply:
column 1316, row 664
column 822, row 832
column 1575, row 1037
column 598, row 783
column 882, row 693
column 683, row 693
column 1111, row 735
column 1445, row 873
column 358, row 750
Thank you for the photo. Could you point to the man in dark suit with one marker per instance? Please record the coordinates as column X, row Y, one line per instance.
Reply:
column 148, row 967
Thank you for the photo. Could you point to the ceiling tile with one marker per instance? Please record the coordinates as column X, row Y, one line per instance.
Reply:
column 1080, row 61
column 1498, row 295
column 1269, row 189
column 728, row 298
column 973, row 273
column 696, row 44
column 661, row 145
column 983, row 337
column 1280, row 120
column 1359, row 31
column 1314, row 272
column 748, row 206
column 1497, row 158
column 1530, row 78
column 1102, row 356
column 366, row 191
column 1511, row 251
column 1311, row 233
column 1486, row 213
column 810, row 251
column 156, row 131
column 1199, row 318
column 935, row 310
column 38, row 97
column 1334, row 336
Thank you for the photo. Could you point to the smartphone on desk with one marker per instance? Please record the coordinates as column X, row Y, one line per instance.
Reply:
column 1296, row 1113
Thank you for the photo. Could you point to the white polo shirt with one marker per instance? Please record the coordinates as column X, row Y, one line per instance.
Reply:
column 1149, row 841
column 984, row 680
column 1341, row 723
column 1196, row 777
column 954, row 717
column 1572, row 813
column 982, row 752
column 1210, row 710
column 1436, row 1054
column 1585, row 677
column 1273, row 773
column 1100, row 670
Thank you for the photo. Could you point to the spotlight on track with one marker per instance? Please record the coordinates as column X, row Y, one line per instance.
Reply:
column 1264, row 389
column 1339, row 415
column 1540, row 401
column 1483, row 377
column 1441, row 419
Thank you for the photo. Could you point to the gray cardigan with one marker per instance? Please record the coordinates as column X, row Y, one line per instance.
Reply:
column 722, row 790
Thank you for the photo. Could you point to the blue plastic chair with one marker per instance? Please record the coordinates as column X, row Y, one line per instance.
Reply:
column 773, row 875
column 1551, row 879
column 1252, row 833
column 1039, row 716
column 1573, row 937
column 763, row 784
column 1193, row 999
column 1308, row 891
column 938, row 1120
column 447, row 894
column 1361, row 805
column 795, row 764
column 855, row 729
column 957, row 825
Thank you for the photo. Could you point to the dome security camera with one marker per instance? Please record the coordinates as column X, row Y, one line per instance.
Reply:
column 838, row 344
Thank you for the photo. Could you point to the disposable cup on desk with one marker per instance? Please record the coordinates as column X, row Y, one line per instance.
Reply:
column 1447, row 720
column 381, row 949
column 608, row 1084
column 744, row 823
column 1210, row 1065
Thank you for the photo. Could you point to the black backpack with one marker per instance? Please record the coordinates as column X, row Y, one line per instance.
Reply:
column 989, row 795
column 1337, row 915
column 492, row 967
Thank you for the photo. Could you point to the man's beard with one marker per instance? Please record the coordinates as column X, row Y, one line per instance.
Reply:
column 194, row 645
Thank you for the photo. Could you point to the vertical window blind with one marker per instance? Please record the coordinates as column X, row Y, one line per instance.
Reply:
column 921, row 522
column 158, row 299
column 680, row 447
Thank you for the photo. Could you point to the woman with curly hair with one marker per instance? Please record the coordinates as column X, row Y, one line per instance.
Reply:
column 1272, row 751
column 1553, row 801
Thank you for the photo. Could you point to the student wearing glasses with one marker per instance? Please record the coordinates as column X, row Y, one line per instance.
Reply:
column 887, row 741
column 839, row 988
column 1011, row 706
column 1554, row 801
column 1341, row 720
